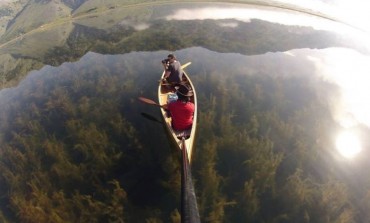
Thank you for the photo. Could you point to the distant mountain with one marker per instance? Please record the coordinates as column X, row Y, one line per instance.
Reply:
column 18, row 17
column 8, row 10
column 35, row 14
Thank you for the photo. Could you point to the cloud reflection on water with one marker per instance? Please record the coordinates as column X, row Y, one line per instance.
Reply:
column 350, row 71
column 354, row 12
column 347, row 68
column 245, row 14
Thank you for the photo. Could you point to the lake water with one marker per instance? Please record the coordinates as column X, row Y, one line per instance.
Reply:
column 276, row 88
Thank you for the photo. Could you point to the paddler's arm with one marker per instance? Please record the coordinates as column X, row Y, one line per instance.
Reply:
column 166, row 74
column 165, row 67
column 165, row 107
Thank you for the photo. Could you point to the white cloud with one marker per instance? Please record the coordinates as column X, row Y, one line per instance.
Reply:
column 355, row 12
column 245, row 14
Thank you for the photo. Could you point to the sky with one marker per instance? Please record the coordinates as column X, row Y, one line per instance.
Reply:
column 354, row 12
column 245, row 14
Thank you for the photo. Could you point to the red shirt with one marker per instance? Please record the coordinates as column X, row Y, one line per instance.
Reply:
column 182, row 114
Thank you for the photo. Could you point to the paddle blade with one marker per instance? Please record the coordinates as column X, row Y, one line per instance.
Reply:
column 150, row 117
column 148, row 101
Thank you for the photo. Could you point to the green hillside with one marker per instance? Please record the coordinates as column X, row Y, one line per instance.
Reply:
column 8, row 10
column 35, row 15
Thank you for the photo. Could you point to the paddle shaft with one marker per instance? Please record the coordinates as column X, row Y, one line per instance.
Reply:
column 185, row 65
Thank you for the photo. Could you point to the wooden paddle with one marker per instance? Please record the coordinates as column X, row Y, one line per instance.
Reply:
column 151, row 102
column 185, row 65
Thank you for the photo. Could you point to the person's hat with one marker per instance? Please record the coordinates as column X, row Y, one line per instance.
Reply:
column 184, row 91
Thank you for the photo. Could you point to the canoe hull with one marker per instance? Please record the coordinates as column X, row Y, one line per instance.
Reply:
column 164, row 93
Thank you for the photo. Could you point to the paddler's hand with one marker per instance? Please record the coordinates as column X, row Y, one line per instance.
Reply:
column 165, row 107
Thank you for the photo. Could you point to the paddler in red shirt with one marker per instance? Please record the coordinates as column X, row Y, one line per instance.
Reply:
column 182, row 110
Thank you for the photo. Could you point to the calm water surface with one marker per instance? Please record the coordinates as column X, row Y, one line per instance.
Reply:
column 283, row 105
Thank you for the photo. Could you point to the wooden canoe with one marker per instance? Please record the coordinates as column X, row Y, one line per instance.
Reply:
column 164, row 92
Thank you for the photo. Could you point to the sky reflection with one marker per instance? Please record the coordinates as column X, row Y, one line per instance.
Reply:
column 350, row 71
column 354, row 12
column 282, row 105
column 346, row 68
column 348, row 144
column 245, row 14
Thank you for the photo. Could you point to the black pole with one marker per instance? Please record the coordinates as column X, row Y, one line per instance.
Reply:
column 189, row 207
